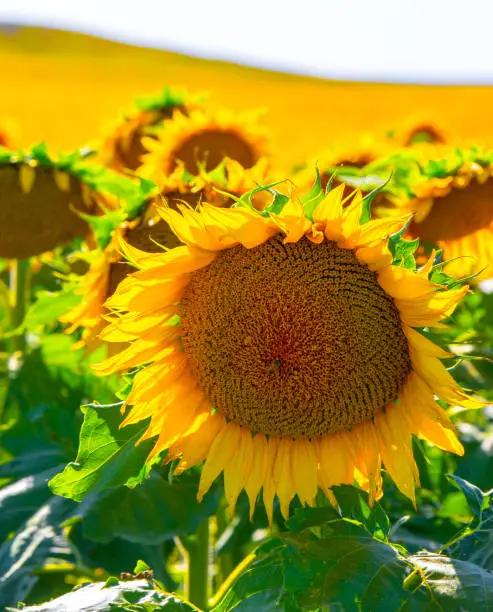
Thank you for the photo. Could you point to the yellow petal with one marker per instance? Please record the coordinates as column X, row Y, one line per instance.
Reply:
column 195, row 446
column 304, row 470
column 138, row 353
column 330, row 208
column 374, row 232
column 257, row 474
column 395, row 448
column 282, row 474
column 27, row 176
column 334, row 468
column 238, row 469
column 269, row 489
column 221, row 454
column 404, row 284
column 62, row 180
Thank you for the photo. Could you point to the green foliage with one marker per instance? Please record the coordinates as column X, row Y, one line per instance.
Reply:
column 36, row 540
column 113, row 595
column 339, row 564
column 151, row 513
column 107, row 456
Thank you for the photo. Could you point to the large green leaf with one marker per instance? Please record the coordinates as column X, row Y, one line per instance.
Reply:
column 107, row 456
column 133, row 595
column 347, row 569
column 21, row 499
column 38, row 539
column 448, row 585
column 151, row 513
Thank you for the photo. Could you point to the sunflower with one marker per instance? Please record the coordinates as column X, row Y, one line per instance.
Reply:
column 40, row 199
column 122, row 148
column 107, row 269
column 419, row 129
column 451, row 198
column 280, row 347
column 201, row 141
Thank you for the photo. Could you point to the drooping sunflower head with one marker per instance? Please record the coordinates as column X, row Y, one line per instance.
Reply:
column 42, row 199
column 201, row 141
column 451, row 197
column 123, row 149
column 280, row 347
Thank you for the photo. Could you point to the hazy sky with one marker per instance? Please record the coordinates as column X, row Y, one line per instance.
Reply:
column 429, row 41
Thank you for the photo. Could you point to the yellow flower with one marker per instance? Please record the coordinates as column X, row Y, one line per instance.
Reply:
column 201, row 141
column 122, row 148
column 39, row 202
column 454, row 212
column 281, row 349
column 418, row 129
column 107, row 269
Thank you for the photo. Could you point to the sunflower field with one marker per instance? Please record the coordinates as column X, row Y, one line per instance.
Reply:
column 231, row 385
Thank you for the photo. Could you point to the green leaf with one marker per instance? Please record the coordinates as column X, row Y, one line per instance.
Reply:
column 113, row 595
column 473, row 494
column 22, row 498
column 346, row 569
column 151, row 513
column 260, row 584
column 107, row 455
column 475, row 543
column 141, row 567
column 48, row 307
column 448, row 584
column 352, row 504
column 35, row 542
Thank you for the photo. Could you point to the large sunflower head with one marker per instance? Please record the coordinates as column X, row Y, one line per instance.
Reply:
column 201, row 141
column 451, row 197
column 281, row 348
column 122, row 149
column 42, row 199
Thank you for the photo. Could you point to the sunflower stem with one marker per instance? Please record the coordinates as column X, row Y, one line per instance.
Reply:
column 20, row 274
column 198, row 567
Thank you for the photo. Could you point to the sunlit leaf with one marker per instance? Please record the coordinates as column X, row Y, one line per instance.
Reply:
column 134, row 595
column 107, row 455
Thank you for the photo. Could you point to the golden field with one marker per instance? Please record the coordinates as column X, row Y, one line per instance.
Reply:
column 67, row 88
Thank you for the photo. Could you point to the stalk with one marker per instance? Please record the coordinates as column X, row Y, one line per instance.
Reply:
column 20, row 274
column 197, row 586
column 224, row 560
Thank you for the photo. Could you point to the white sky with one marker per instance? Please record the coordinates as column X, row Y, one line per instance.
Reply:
column 426, row 41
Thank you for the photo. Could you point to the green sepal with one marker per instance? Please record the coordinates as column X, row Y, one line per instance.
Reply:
column 403, row 250
column 312, row 198
column 279, row 200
